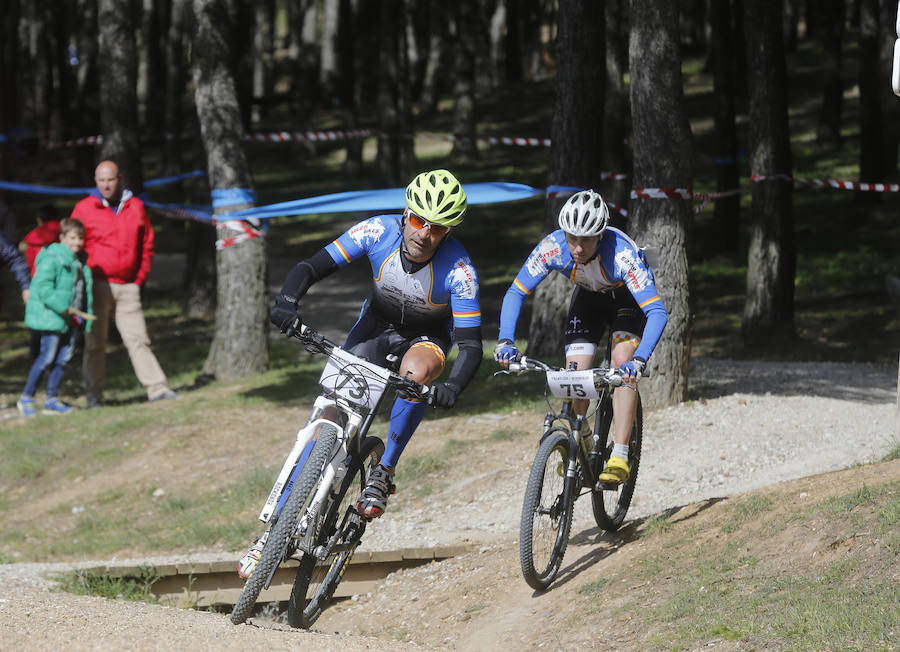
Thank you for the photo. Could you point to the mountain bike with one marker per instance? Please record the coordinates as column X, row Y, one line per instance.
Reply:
column 311, row 508
column 567, row 466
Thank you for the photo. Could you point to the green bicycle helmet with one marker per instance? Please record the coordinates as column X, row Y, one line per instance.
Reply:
column 438, row 197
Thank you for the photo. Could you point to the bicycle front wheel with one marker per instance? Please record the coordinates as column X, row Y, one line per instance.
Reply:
column 611, row 505
column 276, row 549
column 546, row 513
column 315, row 583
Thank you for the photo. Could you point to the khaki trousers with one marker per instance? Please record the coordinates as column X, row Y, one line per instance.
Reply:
column 123, row 303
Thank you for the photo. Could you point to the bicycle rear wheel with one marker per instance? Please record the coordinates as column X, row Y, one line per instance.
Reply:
column 276, row 549
column 315, row 583
column 611, row 505
column 546, row 513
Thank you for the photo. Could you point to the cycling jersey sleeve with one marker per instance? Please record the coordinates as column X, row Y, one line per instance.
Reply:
column 356, row 241
column 305, row 273
column 631, row 266
column 549, row 254
column 464, row 294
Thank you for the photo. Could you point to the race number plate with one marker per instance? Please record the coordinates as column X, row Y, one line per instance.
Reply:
column 572, row 384
column 353, row 379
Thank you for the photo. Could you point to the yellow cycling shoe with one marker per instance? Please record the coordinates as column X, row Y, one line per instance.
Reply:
column 616, row 471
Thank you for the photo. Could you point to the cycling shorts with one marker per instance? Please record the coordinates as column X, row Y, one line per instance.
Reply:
column 373, row 338
column 593, row 314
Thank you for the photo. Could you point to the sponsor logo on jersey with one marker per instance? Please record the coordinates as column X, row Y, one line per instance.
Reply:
column 368, row 230
column 548, row 252
column 464, row 282
column 632, row 272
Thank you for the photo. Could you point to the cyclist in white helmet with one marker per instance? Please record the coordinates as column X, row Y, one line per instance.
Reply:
column 614, row 289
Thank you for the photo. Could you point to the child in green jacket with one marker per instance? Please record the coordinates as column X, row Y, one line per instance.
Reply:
column 60, row 301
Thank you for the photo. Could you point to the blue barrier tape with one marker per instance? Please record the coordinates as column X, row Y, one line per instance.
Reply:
column 178, row 177
column 74, row 192
column 383, row 199
column 230, row 196
column 43, row 190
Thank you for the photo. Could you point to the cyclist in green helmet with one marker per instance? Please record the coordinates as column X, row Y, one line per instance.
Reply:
column 424, row 298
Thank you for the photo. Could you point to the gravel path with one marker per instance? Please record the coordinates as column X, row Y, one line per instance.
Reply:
column 751, row 424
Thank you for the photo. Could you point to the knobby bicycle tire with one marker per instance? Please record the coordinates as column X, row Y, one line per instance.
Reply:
column 273, row 553
column 610, row 506
column 315, row 584
column 546, row 513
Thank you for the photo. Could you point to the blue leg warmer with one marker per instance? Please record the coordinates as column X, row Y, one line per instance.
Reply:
column 405, row 418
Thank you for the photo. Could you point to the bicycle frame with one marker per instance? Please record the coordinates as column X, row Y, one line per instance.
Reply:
column 357, row 420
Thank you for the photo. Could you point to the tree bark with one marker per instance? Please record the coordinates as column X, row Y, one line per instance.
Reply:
column 348, row 27
column 328, row 59
column 575, row 150
column 616, row 117
column 662, row 159
column 464, row 146
column 262, row 57
column 172, row 159
column 832, row 24
column 769, row 304
column 726, row 215
column 871, row 162
column 240, row 344
column 303, row 56
column 395, row 159
column 118, row 93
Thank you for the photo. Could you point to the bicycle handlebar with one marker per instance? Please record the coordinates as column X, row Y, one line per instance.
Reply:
column 611, row 377
column 317, row 342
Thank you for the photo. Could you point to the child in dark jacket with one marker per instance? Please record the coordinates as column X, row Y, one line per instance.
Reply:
column 59, row 302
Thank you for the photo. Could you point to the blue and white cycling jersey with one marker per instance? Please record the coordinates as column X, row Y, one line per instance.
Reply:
column 446, row 286
column 619, row 262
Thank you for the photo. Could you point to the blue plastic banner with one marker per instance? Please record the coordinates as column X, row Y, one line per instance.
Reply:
column 231, row 196
column 383, row 200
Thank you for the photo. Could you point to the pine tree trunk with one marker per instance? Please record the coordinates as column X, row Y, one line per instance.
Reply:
column 832, row 17
column 348, row 27
column 175, row 82
column 575, row 151
column 662, row 159
column 395, row 159
column 616, row 119
column 240, row 343
column 871, row 163
column 118, row 93
column 727, row 211
column 464, row 146
column 769, row 304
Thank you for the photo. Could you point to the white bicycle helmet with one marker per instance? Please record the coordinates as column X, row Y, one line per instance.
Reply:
column 584, row 214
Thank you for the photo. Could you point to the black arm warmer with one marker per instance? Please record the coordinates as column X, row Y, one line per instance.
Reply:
column 469, row 358
column 305, row 273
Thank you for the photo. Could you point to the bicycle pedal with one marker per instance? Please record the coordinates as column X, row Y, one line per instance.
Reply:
column 607, row 486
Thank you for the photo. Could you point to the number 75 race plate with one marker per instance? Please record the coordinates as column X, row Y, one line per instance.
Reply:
column 572, row 384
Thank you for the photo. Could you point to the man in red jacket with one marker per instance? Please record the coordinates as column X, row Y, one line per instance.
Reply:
column 119, row 243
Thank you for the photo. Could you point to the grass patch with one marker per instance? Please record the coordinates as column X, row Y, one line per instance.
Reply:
column 746, row 510
column 656, row 524
column 134, row 589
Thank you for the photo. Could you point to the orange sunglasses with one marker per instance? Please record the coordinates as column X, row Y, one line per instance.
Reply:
column 418, row 223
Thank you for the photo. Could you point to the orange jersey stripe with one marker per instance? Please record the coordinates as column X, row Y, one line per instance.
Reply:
column 343, row 252
column 649, row 301
column 521, row 287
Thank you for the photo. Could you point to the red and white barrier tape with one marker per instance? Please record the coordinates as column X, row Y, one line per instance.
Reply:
column 503, row 140
column 831, row 183
column 662, row 193
column 311, row 136
column 246, row 232
column 74, row 142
